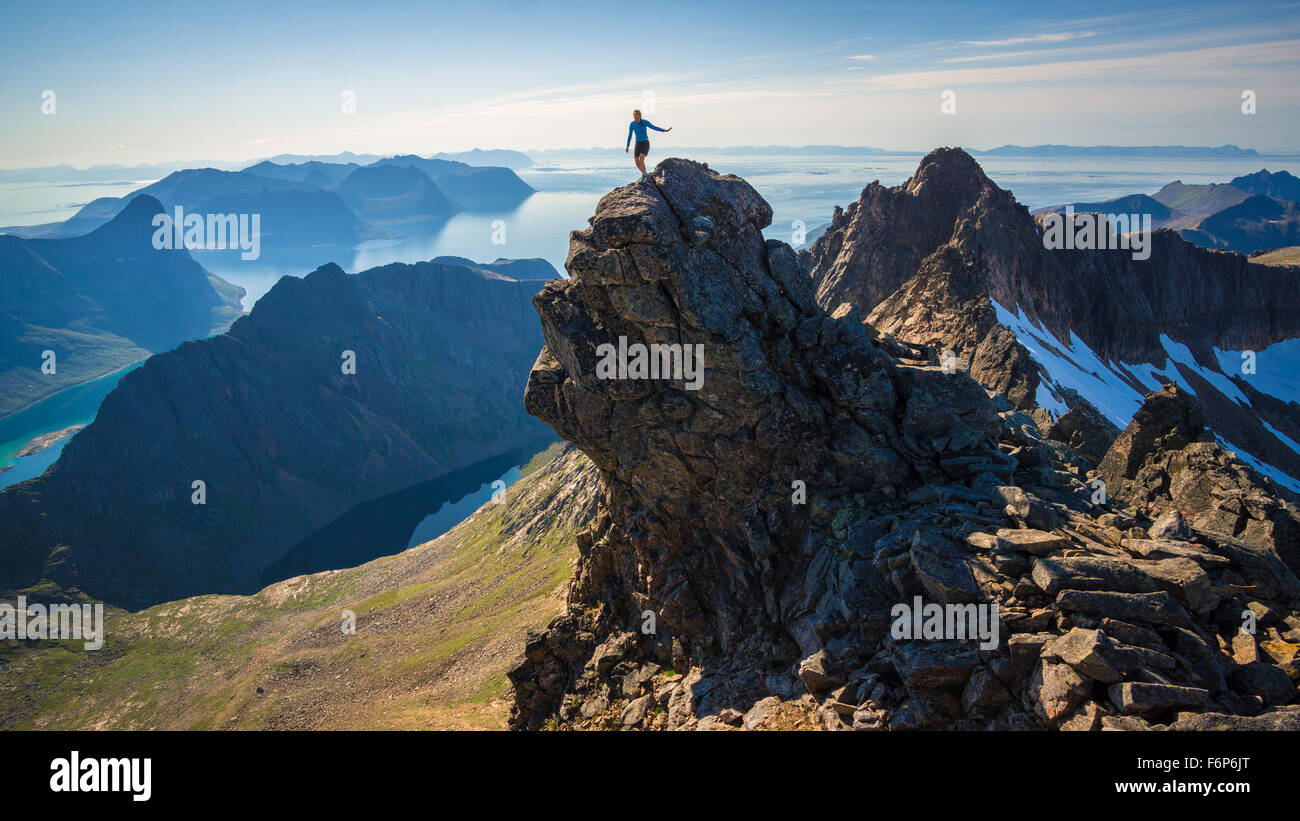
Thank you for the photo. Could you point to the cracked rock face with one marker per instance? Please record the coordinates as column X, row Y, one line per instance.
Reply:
column 753, row 535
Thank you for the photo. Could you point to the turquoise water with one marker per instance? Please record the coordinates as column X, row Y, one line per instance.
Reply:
column 72, row 406
column 29, row 467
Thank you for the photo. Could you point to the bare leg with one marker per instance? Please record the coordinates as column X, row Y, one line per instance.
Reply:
column 640, row 163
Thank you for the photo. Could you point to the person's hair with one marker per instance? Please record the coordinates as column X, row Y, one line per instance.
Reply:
column 636, row 112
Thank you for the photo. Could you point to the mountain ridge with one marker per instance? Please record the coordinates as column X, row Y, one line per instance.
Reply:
column 949, row 260
column 283, row 436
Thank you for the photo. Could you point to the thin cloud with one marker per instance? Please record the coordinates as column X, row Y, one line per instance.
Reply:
column 1061, row 37
column 1144, row 45
column 1001, row 55
column 861, row 57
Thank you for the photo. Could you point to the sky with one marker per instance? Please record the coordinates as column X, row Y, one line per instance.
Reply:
column 156, row 82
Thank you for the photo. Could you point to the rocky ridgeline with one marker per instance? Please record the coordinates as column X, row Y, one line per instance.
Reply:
column 710, row 593
column 922, row 260
column 926, row 260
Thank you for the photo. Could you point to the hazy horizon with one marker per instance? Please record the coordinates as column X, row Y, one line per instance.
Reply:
column 252, row 160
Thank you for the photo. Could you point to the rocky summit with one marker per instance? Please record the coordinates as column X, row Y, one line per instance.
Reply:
column 756, row 539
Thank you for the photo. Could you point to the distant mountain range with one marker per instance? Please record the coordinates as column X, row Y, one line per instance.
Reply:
column 478, row 156
column 65, row 173
column 491, row 156
column 317, row 203
column 93, row 290
column 116, row 171
column 395, row 194
column 1253, row 212
column 477, row 188
column 100, row 302
column 506, row 158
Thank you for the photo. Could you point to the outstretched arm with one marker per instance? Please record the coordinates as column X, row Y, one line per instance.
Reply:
column 654, row 127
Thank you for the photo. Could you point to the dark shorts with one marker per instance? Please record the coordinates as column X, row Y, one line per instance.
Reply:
column 642, row 148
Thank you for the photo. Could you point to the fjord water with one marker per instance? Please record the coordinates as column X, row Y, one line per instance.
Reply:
column 76, row 405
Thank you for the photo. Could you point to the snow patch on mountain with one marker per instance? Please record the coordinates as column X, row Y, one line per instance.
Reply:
column 1113, row 389
column 1117, row 389
column 1181, row 354
column 1277, row 368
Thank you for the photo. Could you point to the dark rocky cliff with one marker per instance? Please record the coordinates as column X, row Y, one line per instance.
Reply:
column 283, row 438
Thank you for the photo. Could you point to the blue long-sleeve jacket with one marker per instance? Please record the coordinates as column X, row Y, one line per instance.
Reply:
column 638, row 128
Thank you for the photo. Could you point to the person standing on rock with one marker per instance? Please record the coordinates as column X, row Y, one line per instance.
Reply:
column 638, row 126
